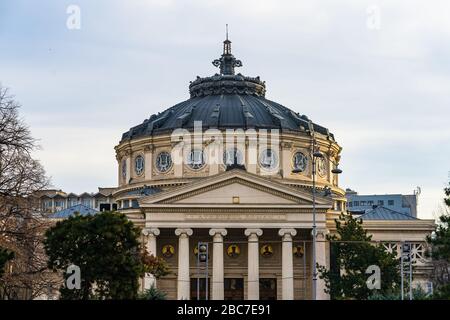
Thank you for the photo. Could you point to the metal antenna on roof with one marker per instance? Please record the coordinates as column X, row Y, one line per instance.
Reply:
column 227, row 62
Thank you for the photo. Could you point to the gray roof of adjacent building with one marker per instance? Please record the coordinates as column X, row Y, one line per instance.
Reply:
column 382, row 213
column 226, row 101
column 106, row 192
column 79, row 208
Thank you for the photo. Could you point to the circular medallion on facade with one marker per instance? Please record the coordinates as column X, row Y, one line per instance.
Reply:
column 233, row 250
column 163, row 162
column 266, row 250
column 139, row 165
column 321, row 167
column 168, row 250
column 233, row 156
column 298, row 251
column 196, row 159
column 300, row 161
column 124, row 169
column 268, row 159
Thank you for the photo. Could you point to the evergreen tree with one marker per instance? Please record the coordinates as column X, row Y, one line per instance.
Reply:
column 105, row 247
column 351, row 254
column 440, row 251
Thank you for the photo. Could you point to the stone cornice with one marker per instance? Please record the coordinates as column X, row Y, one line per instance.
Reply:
column 228, row 182
column 232, row 209
column 256, row 181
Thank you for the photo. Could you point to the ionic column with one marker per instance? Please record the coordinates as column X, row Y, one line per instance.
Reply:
column 253, row 263
column 321, row 259
column 150, row 234
column 183, row 285
column 217, row 273
column 287, row 267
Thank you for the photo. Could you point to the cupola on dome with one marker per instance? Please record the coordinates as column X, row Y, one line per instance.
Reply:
column 226, row 100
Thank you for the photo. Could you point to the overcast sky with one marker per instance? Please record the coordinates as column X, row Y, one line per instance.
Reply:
column 376, row 73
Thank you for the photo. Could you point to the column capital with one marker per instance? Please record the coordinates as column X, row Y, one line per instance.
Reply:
column 255, row 231
column 321, row 233
column 186, row 231
column 150, row 232
column 222, row 232
column 287, row 232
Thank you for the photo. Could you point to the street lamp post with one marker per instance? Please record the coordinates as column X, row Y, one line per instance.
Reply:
column 315, row 154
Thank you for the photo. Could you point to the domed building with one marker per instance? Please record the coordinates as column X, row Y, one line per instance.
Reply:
column 234, row 171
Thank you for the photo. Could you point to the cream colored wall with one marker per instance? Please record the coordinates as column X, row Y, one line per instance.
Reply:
column 245, row 194
column 288, row 144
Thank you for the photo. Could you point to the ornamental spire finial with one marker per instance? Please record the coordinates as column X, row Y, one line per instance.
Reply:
column 227, row 62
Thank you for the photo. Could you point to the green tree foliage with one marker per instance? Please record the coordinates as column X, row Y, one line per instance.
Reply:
column 417, row 292
column 105, row 247
column 152, row 294
column 157, row 266
column 5, row 256
column 351, row 254
column 440, row 251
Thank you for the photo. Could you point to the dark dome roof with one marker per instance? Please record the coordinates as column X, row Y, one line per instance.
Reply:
column 226, row 101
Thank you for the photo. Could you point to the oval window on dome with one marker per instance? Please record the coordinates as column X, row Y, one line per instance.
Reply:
column 233, row 156
column 163, row 162
column 196, row 159
column 300, row 161
column 268, row 159
column 139, row 165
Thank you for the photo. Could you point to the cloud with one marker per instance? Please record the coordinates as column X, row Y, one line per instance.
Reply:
column 384, row 93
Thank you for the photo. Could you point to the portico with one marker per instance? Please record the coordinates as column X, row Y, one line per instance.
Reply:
column 263, row 229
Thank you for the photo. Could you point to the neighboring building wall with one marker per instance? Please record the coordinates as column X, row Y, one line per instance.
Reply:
column 51, row 201
column 393, row 233
column 397, row 202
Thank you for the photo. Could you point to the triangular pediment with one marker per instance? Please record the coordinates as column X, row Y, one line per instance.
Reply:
column 235, row 187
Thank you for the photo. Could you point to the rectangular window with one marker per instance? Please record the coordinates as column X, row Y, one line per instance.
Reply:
column 363, row 203
column 59, row 203
column 356, row 203
column 390, row 202
column 350, row 204
column 233, row 289
column 370, row 203
column 86, row 202
column 380, row 202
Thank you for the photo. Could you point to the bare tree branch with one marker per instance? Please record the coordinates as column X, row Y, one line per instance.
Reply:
column 22, row 225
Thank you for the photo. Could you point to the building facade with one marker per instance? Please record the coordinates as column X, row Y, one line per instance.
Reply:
column 397, row 202
column 52, row 201
column 230, row 168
